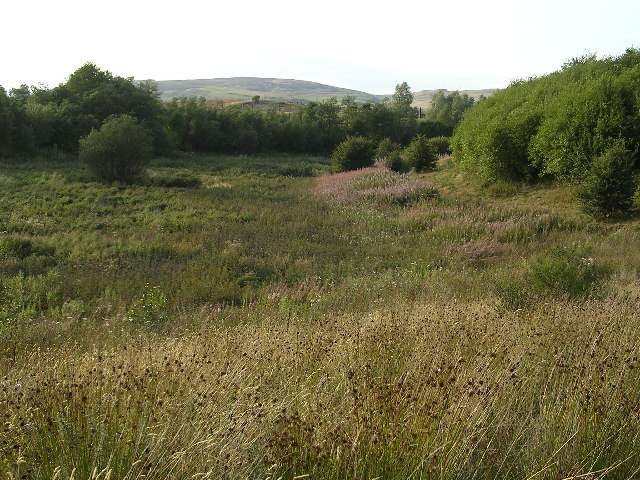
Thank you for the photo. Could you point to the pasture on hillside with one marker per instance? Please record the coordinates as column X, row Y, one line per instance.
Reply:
column 254, row 317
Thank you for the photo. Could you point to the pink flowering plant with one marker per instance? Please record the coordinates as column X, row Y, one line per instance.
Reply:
column 375, row 185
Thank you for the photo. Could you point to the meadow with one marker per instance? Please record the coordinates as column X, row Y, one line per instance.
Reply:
column 253, row 317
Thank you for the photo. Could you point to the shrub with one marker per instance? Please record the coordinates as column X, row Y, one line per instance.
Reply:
column 441, row 145
column 385, row 148
column 150, row 307
column 432, row 128
column 352, row 154
column 420, row 154
column 182, row 178
column 609, row 186
column 396, row 163
column 118, row 151
column 565, row 271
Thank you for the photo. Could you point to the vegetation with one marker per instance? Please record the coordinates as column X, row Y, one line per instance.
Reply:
column 386, row 148
column 251, row 316
column 36, row 119
column 609, row 185
column 420, row 154
column 352, row 154
column 554, row 126
column 448, row 109
column 118, row 151
column 441, row 145
column 352, row 325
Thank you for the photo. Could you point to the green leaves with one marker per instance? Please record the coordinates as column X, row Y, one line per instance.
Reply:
column 609, row 185
column 118, row 151
column 555, row 125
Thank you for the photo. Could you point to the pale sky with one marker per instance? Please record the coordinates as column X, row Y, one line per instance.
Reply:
column 364, row 45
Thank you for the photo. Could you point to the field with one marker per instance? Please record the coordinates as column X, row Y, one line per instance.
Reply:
column 252, row 317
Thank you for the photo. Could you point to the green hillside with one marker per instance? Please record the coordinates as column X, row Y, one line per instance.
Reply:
column 287, row 90
column 268, row 89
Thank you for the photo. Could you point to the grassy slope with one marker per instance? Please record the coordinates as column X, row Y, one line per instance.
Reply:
column 281, row 90
column 367, row 338
column 267, row 88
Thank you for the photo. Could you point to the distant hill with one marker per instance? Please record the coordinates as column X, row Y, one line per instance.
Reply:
column 282, row 90
column 238, row 88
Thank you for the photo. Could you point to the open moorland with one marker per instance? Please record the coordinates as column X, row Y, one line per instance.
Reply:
column 339, row 290
column 268, row 320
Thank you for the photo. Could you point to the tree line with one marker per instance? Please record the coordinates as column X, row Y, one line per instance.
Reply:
column 37, row 118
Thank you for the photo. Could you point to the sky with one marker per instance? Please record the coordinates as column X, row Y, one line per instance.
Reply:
column 363, row 45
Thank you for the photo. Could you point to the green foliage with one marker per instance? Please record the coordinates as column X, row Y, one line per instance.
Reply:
column 609, row 186
column 441, row 145
column 385, row 148
column 448, row 109
column 431, row 128
column 402, row 98
column 390, row 153
column 23, row 298
column 150, row 308
column 420, row 155
column 182, row 178
column 118, row 151
column 396, row 163
column 565, row 271
column 352, row 154
column 554, row 125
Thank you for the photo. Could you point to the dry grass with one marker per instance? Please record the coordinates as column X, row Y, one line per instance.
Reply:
column 453, row 390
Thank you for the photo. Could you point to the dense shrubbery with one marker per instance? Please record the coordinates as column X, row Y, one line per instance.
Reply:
column 554, row 125
column 608, row 188
column 420, row 155
column 118, row 151
column 448, row 109
column 441, row 145
column 33, row 118
column 432, row 128
column 352, row 154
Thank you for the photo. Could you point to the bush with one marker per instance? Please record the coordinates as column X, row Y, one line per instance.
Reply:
column 118, row 151
column 396, row 163
column 565, row 271
column 432, row 128
column 609, row 186
column 420, row 154
column 568, row 272
column 441, row 145
column 181, row 178
column 386, row 148
column 352, row 154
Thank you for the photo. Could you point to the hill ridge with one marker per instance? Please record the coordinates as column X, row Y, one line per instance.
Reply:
column 282, row 89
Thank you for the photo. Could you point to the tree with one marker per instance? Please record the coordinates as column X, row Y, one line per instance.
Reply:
column 118, row 151
column 420, row 154
column 90, row 96
column 402, row 99
column 448, row 109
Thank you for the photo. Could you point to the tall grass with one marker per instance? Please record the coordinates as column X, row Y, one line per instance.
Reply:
column 442, row 389
column 262, row 325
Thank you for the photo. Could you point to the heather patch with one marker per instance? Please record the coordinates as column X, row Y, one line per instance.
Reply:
column 375, row 185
